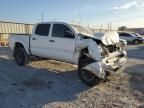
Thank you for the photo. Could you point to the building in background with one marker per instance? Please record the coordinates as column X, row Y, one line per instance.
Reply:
column 7, row 28
column 136, row 30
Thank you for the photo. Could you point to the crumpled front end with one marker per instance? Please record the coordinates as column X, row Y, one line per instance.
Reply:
column 94, row 52
column 114, row 61
column 104, row 58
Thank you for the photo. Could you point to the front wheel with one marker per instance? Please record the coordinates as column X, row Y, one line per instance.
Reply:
column 21, row 57
column 135, row 42
column 86, row 76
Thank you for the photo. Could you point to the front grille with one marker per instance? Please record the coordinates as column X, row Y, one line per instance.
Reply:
column 112, row 48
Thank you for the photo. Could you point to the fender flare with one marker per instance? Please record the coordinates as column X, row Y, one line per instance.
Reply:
column 24, row 45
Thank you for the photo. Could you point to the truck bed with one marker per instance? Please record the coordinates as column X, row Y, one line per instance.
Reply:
column 18, row 38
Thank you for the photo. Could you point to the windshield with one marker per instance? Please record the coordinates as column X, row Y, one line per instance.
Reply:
column 99, row 34
column 80, row 29
column 136, row 34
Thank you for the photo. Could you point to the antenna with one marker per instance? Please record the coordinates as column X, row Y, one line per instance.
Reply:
column 79, row 17
column 42, row 17
column 54, row 19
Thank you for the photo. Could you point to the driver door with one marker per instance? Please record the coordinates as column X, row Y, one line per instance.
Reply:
column 62, row 43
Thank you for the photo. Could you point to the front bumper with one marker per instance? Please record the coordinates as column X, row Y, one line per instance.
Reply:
column 99, row 66
column 114, row 61
column 108, row 64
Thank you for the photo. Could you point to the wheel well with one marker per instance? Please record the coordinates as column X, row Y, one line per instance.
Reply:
column 83, row 54
column 18, row 45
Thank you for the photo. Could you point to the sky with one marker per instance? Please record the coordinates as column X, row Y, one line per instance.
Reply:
column 87, row 12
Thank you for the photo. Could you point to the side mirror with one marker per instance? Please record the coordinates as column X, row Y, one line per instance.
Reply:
column 69, row 34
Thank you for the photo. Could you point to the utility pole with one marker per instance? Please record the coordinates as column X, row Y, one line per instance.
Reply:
column 88, row 26
column 108, row 26
column 101, row 28
column 111, row 26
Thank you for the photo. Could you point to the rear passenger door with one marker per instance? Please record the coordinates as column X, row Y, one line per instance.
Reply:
column 40, row 39
column 62, row 43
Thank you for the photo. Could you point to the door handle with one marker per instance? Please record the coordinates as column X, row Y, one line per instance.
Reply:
column 33, row 38
column 51, row 41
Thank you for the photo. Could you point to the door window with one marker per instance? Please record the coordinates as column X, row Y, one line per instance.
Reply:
column 42, row 29
column 125, row 35
column 62, row 31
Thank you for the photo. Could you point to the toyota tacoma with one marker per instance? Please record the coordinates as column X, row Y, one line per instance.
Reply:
column 74, row 44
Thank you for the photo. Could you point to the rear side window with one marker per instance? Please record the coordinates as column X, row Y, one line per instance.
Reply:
column 42, row 29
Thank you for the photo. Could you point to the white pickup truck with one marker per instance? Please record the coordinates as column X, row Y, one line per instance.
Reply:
column 95, row 58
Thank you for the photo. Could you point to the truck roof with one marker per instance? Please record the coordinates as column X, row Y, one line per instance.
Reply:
column 51, row 22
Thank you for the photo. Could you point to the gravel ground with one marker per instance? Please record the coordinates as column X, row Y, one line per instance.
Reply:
column 53, row 84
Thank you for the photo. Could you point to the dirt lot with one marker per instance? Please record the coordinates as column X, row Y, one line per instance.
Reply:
column 47, row 83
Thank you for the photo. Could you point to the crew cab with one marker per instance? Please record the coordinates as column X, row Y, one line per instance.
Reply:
column 73, row 44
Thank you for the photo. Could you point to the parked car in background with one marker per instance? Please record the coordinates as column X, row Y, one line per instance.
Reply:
column 137, row 34
column 131, row 38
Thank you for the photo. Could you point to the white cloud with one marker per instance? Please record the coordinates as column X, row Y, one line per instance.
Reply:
column 125, row 6
column 140, row 5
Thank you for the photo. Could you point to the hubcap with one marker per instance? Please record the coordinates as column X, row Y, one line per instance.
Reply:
column 136, row 42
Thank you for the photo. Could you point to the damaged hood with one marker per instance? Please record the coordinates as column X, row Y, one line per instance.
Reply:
column 107, row 38
column 82, row 31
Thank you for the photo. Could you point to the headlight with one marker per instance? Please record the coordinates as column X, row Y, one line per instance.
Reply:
column 100, row 48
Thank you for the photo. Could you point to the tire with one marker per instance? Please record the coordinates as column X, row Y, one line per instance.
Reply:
column 21, row 57
column 86, row 76
column 136, row 42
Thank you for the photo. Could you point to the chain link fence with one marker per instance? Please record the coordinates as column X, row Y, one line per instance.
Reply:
column 7, row 28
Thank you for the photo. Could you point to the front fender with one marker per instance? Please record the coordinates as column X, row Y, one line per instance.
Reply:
column 95, row 53
column 93, row 49
column 97, row 69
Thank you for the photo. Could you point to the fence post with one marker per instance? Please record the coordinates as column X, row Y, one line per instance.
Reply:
column 26, row 28
column 0, row 39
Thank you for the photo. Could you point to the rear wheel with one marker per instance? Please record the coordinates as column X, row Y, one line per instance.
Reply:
column 21, row 57
column 86, row 76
